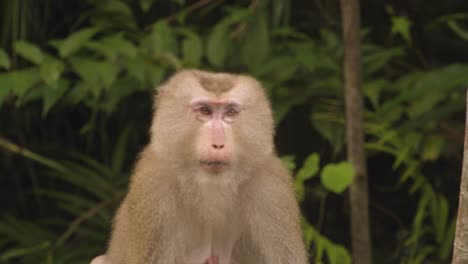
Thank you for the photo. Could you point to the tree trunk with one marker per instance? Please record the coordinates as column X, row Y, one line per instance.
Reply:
column 460, row 245
column 360, row 233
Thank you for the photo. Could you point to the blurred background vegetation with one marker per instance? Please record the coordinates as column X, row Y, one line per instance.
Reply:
column 76, row 85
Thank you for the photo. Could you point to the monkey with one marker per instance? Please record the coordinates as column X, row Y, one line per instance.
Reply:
column 209, row 187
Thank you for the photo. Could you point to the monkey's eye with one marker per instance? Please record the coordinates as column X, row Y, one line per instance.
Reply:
column 205, row 110
column 231, row 112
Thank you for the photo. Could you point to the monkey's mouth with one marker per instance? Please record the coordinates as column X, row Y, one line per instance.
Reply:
column 213, row 165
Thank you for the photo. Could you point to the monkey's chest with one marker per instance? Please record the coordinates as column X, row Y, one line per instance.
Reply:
column 209, row 238
column 207, row 243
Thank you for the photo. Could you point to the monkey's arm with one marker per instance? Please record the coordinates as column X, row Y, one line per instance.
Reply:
column 135, row 238
column 275, row 224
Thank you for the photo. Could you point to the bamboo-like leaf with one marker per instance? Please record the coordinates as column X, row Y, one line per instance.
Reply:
column 75, row 41
column 29, row 51
column 23, row 251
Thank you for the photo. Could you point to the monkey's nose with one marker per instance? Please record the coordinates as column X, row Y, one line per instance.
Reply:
column 215, row 146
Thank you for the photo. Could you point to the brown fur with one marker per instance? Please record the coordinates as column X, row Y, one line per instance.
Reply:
column 176, row 214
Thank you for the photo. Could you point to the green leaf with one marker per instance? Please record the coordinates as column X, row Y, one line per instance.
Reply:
column 376, row 58
column 288, row 161
column 161, row 39
column 78, row 92
column 218, row 44
column 192, row 49
column 107, row 73
column 401, row 26
column 146, row 4
column 256, row 45
column 306, row 56
column 29, row 51
column 337, row 177
column 86, row 69
column 433, row 87
column 97, row 73
column 113, row 46
column 19, row 81
column 330, row 129
column 121, row 46
column 309, row 169
column 75, row 41
column 53, row 94
column 219, row 41
column 154, row 74
column 51, row 69
column 447, row 243
column 337, row 254
column 433, row 147
column 136, row 68
column 279, row 69
column 440, row 216
column 458, row 29
column 5, row 88
column 4, row 60
column 101, row 48
column 23, row 251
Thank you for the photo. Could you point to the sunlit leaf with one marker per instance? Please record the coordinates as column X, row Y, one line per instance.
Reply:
column 402, row 26
column 51, row 69
column 337, row 254
column 309, row 169
column 337, row 177
column 29, row 51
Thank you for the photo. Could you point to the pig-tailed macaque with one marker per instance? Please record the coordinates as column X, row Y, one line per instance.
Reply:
column 209, row 188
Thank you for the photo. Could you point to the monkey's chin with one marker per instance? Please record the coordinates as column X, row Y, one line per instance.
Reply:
column 214, row 167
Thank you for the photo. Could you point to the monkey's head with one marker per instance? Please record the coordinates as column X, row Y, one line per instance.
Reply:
column 212, row 122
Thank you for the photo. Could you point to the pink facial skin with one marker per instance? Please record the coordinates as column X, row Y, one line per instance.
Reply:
column 216, row 116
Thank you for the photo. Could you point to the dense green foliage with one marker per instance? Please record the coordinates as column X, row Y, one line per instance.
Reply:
column 77, row 78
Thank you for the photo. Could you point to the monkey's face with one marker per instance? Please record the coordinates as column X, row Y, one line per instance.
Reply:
column 215, row 140
column 212, row 122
